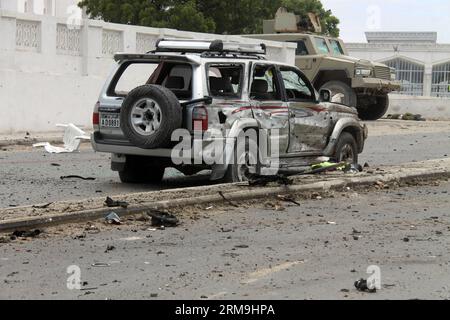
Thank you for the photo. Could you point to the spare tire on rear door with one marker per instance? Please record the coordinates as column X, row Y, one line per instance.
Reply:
column 149, row 115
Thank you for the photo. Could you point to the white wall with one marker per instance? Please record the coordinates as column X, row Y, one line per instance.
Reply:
column 59, row 8
column 51, row 74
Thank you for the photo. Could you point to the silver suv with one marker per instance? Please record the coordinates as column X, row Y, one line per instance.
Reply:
column 190, row 104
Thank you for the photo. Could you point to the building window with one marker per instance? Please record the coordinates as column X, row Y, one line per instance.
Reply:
column 440, row 86
column 410, row 74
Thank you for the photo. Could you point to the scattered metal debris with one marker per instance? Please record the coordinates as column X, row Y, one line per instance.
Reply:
column 110, row 248
column 163, row 219
column 45, row 206
column 227, row 200
column 362, row 286
column 406, row 117
column 27, row 234
column 77, row 177
column 110, row 203
column 256, row 180
column 283, row 175
column 113, row 218
column 288, row 198
column 101, row 265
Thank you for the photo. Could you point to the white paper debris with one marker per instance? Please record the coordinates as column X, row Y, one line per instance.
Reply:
column 72, row 139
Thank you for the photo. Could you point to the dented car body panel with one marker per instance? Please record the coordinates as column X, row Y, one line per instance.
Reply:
column 303, row 129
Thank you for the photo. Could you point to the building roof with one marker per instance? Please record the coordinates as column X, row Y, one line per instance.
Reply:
column 402, row 37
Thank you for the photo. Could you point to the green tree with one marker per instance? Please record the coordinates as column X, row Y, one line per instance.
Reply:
column 181, row 14
column 217, row 16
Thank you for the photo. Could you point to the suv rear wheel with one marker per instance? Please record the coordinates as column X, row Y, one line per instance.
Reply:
column 141, row 170
column 245, row 162
column 346, row 149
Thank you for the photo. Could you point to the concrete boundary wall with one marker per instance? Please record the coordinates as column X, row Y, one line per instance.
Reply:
column 51, row 73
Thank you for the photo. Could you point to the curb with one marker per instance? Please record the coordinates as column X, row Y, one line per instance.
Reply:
column 258, row 193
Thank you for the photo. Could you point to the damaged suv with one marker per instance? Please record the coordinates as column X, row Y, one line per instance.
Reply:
column 207, row 96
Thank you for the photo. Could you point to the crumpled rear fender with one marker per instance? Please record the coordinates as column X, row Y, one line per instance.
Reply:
column 219, row 170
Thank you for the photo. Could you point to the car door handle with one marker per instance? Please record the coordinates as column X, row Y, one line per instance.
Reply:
column 291, row 115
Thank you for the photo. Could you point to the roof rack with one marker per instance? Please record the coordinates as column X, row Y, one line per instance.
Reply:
column 205, row 46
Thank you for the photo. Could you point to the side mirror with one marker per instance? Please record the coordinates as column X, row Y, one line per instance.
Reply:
column 325, row 95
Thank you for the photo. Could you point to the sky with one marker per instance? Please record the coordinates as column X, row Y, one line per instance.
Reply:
column 358, row 16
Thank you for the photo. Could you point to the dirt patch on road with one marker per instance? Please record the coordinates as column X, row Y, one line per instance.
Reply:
column 400, row 127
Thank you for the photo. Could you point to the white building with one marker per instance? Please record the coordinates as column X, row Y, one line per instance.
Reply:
column 57, row 8
column 422, row 64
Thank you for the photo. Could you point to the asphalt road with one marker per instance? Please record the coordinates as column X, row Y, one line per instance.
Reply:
column 313, row 251
column 32, row 176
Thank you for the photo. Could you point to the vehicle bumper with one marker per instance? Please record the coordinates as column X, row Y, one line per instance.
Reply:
column 377, row 84
column 114, row 147
column 204, row 149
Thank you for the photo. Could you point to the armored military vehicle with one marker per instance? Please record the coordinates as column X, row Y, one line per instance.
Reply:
column 359, row 83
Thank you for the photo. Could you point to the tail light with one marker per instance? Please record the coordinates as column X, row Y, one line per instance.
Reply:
column 95, row 115
column 200, row 118
column 96, row 119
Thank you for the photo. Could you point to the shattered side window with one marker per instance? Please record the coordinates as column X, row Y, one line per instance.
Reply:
column 301, row 48
column 321, row 45
column 225, row 80
column 296, row 88
column 336, row 47
column 134, row 75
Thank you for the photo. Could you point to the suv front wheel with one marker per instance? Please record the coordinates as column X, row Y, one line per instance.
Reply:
column 141, row 170
column 346, row 149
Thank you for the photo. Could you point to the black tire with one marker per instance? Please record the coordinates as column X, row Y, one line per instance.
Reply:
column 235, row 172
column 337, row 87
column 375, row 111
column 170, row 116
column 138, row 170
column 346, row 143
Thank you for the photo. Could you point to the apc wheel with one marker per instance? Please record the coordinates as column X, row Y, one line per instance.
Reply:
column 149, row 115
column 137, row 170
column 375, row 111
column 346, row 149
column 348, row 96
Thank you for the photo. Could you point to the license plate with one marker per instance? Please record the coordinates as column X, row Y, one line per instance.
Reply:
column 110, row 120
